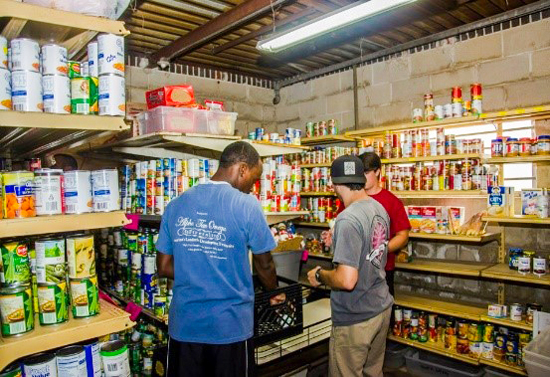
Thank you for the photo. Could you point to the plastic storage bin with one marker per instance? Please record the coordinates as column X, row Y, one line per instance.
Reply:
column 428, row 365
column 537, row 355
column 395, row 355
column 184, row 120
column 492, row 372
column 287, row 263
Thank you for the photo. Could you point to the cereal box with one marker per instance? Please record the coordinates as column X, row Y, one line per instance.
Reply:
column 429, row 219
column 529, row 201
column 456, row 218
column 415, row 218
column 500, row 201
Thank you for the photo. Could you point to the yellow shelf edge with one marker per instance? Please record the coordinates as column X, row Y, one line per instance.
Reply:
column 463, row 311
column 518, row 160
column 60, row 223
column 517, row 220
column 325, row 139
column 323, row 165
column 452, row 268
column 405, row 160
column 111, row 319
column 501, row 271
column 61, row 121
column 435, row 349
column 522, row 325
column 312, row 224
column 452, row 237
column 313, row 193
column 531, row 112
column 29, row 12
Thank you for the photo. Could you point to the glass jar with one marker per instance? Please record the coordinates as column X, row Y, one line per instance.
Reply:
column 497, row 147
column 543, row 145
column 525, row 146
column 512, row 147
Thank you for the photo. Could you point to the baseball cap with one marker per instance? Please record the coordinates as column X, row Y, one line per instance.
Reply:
column 348, row 169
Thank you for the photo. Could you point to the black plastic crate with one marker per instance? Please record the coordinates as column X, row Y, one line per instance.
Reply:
column 273, row 323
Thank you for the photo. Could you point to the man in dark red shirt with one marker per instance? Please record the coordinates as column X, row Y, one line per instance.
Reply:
column 399, row 221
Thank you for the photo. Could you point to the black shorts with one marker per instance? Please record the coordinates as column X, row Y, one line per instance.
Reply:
column 210, row 360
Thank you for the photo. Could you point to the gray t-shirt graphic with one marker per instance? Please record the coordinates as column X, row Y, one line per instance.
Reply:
column 360, row 233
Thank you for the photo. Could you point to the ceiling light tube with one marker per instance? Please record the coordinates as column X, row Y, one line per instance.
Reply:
column 328, row 23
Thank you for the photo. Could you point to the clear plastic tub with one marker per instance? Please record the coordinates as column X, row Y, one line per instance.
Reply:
column 177, row 119
column 537, row 355
column 424, row 364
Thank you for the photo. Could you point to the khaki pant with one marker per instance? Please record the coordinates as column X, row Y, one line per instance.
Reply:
column 358, row 350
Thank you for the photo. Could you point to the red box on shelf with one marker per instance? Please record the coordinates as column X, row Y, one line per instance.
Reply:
column 173, row 95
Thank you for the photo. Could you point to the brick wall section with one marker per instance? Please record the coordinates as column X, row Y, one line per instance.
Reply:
column 254, row 104
column 511, row 64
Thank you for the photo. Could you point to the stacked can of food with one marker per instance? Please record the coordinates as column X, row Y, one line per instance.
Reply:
column 110, row 68
column 5, row 76
column 18, row 194
column 16, row 298
column 279, row 187
column 82, row 275
column 51, row 277
column 26, row 80
column 55, row 81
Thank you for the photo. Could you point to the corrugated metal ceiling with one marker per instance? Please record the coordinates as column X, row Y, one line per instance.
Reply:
column 158, row 23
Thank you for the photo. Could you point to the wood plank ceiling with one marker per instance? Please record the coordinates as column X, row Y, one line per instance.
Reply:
column 158, row 23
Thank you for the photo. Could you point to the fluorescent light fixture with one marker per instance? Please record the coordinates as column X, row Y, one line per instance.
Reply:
column 328, row 23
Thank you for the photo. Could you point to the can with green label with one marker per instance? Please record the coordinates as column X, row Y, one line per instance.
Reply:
column 16, row 310
column 74, row 69
column 94, row 95
column 15, row 259
column 80, row 95
column 12, row 370
column 50, row 260
column 84, row 297
column 52, row 301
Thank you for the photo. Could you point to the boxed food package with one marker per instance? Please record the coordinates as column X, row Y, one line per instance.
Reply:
column 429, row 219
column 415, row 218
column 529, row 201
column 173, row 95
column 456, row 218
column 500, row 201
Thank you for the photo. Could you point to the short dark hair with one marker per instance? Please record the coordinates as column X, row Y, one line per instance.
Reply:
column 371, row 161
column 354, row 186
column 237, row 152
column 62, row 161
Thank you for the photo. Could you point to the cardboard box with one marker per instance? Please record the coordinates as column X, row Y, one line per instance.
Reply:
column 429, row 219
column 529, row 201
column 415, row 217
column 173, row 95
column 500, row 201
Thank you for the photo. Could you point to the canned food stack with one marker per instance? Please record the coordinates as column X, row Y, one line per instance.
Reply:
column 325, row 155
column 292, row 136
column 16, row 295
column 127, row 264
column 148, row 186
column 458, row 108
column 142, row 341
column 467, row 174
column 316, row 180
column 474, row 339
column 279, row 188
column 527, row 261
column 322, row 209
column 322, row 128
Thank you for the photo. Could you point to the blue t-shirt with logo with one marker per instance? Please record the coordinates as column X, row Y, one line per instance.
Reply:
column 209, row 230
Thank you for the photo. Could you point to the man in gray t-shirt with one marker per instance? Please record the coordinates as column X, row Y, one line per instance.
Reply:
column 360, row 298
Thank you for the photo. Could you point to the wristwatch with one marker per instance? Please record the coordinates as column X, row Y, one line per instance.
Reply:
column 318, row 276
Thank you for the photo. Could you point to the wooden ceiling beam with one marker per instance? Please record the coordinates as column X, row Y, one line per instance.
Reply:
column 215, row 28
column 263, row 30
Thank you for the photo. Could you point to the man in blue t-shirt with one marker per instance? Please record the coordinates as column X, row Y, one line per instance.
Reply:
column 204, row 241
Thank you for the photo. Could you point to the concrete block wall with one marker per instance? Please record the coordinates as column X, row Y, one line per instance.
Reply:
column 254, row 104
column 511, row 64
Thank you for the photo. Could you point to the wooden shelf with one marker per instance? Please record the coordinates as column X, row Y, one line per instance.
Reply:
column 499, row 365
column 452, row 309
column 436, row 347
column 320, row 256
column 431, row 158
column 456, row 238
column 323, row 165
column 503, row 272
column 441, row 194
column 312, row 225
column 327, row 139
column 111, row 319
column 60, row 224
column 146, row 312
column 444, row 267
column 522, row 325
column 300, row 148
column 46, row 25
column 517, row 220
column 518, row 160
column 277, row 217
column 538, row 112
column 313, row 193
